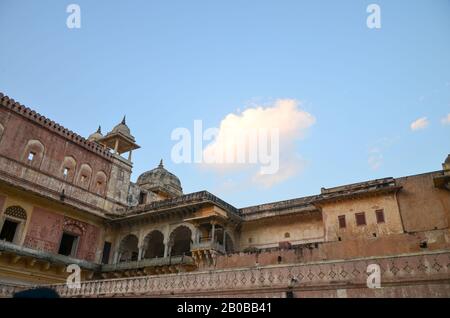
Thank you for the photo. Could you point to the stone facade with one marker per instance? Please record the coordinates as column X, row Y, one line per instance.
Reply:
column 67, row 200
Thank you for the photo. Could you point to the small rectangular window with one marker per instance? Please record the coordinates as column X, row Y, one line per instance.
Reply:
column 83, row 178
column 342, row 223
column 31, row 156
column 106, row 252
column 8, row 231
column 68, row 245
column 360, row 218
column 66, row 172
column 380, row 216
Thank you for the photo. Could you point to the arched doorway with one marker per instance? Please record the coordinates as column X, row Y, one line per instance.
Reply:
column 180, row 241
column 128, row 250
column 154, row 245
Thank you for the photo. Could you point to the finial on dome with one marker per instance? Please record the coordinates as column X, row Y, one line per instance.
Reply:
column 99, row 130
column 123, row 120
column 161, row 165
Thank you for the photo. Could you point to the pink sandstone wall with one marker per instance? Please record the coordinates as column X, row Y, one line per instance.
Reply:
column 14, row 141
column 46, row 229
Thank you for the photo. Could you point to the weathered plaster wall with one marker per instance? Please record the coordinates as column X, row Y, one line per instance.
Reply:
column 394, row 244
column 423, row 206
column 269, row 232
column 349, row 207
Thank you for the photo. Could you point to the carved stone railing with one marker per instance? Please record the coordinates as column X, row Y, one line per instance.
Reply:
column 208, row 245
column 397, row 270
column 8, row 290
column 163, row 261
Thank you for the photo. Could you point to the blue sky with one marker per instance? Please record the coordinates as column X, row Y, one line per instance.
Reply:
column 167, row 63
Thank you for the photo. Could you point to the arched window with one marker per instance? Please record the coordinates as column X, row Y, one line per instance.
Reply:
column 84, row 176
column 12, row 224
column 68, row 168
column 33, row 153
column 100, row 183
column 128, row 249
column 154, row 245
column 180, row 241
column 16, row 212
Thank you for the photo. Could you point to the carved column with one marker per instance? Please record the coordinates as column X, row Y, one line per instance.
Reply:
column 224, row 239
column 141, row 251
column 166, row 249
column 213, row 229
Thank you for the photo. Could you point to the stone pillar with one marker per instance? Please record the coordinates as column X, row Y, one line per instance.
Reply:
column 129, row 155
column 166, row 249
column 116, row 257
column 116, row 146
column 140, row 253
column 224, row 239
column 213, row 225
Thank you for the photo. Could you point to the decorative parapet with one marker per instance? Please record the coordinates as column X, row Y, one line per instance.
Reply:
column 278, row 206
column 43, row 121
column 377, row 186
column 399, row 270
column 173, row 203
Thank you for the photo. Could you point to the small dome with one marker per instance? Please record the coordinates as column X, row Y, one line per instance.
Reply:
column 123, row 129
column 96, row 136
column 159, row 179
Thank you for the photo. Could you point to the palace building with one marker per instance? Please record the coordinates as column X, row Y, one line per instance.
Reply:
column 65, row 199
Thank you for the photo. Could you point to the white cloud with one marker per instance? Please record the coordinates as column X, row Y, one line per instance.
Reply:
column 446, row 120
column 420, row 123
column 375, row 158
column 283, row 116
column 288, row 169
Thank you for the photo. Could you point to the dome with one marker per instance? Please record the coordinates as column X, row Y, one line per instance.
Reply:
column 96, row 136
column 123, row 129
column 160, row 180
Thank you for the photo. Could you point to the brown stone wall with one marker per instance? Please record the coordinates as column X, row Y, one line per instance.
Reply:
column 423, row 206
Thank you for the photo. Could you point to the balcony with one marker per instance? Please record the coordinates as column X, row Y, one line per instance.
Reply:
column 153, row 266
column 208, row 244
